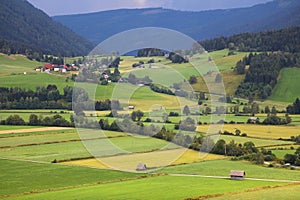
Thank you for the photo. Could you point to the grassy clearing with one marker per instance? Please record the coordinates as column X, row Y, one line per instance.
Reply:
column 257, row 142
column 281, row 153
column 132, row 189
column 19, row 177
column 275, row 193
column 259, row 131
column 225, row 62
column 287, row 89
column 16, row 64
column 223, row 167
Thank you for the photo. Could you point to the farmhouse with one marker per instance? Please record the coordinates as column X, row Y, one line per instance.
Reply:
column 237, row 175
column 141, row 167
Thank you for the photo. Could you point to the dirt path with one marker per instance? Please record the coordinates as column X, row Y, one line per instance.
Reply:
column 34, row 130
column 227, row 177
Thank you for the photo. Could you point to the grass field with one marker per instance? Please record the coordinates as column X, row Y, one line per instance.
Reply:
column 8, row 127
column 77, row 149
column 153, row 159
column 277, row 193
column 20, row 177
column 259, row 131
column 287, row 89
column 166, row 184
column 281, row 153
column 257, row 142
column 223, row 167
column 16, row 64
column 32, row 80
column 225, row 62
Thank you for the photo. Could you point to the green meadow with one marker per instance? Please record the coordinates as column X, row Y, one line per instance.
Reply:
column 287, row 89
column 152, row 188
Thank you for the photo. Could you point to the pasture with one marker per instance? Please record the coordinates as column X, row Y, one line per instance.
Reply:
column 257, row 142
column 162, row 187
column 287, row 89
column 19, row 177
column 223, row 167
column 33, row 80
column 14, row 64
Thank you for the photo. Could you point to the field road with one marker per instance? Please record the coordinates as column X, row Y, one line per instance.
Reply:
column 34, row 130
column 227, row 177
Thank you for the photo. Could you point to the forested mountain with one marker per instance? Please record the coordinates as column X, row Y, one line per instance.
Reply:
column 26, row 30
column 97, row 27
column 287, row 40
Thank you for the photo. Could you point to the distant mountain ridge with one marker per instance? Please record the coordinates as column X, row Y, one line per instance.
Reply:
column 99, row 26
column 26, row 29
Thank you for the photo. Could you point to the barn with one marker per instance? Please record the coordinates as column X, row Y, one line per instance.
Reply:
column 237, row 175
column 141, row 167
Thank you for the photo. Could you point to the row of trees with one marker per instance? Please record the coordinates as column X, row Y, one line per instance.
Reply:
column 34, row 120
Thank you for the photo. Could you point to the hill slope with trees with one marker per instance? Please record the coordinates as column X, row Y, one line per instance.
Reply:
column 27, row 30
column 199, row 25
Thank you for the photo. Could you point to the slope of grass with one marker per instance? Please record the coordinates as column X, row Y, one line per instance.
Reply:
column 19, row 177
column 287, row 88
column 17, row 64
column 276, row 193
column 164, row 187
column 33, row 80
column 223, row 167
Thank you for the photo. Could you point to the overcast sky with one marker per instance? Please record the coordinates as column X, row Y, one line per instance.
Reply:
column 63, row 7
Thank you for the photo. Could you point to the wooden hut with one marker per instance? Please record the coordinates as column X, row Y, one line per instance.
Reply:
column 141, row 167
column 237, row 175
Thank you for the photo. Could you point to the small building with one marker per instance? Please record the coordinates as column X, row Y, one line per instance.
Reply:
column 141, row 167
column 131, row 107
column 237, row 175
column 253, row 120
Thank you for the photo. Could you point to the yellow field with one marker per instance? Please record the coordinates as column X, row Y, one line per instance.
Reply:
column 191, row 156
column 259, row 131
column 93, row 162
column 151, row 159
column 167, row 102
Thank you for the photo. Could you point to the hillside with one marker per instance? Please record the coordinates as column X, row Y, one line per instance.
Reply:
column 199, row 25
column 29, row 30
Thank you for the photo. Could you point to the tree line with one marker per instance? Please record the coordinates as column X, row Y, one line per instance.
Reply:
column 35, row 120
column 286, row 40
column 51, row 98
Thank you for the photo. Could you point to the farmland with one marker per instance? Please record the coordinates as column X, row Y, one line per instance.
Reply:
column 71, row 164
column 132, row 189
